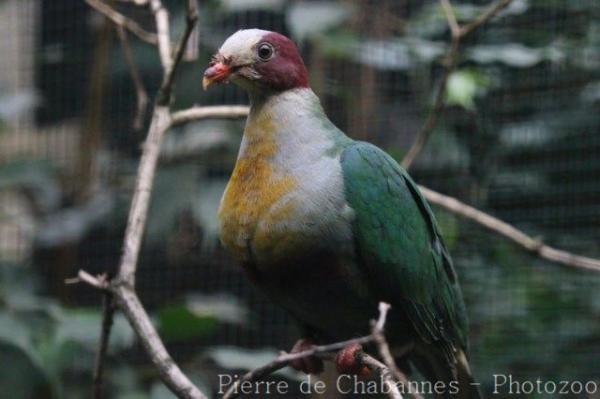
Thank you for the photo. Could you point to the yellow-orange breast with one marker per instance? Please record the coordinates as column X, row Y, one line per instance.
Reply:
column 255, row 198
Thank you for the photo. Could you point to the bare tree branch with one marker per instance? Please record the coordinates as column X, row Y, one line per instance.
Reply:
column 122, row 20
column 141, row 196
column 108, row 311
column 128, row 301
column 208, row 112
column 161, row 15
column 450, row 17
column 161, row 121
column 458, row 33
column 140, row 91
column 122, row 286
column 164, row 93
column 485, row 16
column 284, row 359
column 531, row 244
column 168, row 370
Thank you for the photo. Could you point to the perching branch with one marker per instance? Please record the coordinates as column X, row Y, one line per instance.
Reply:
column 449, row 62
column 284, row 359
column 531, row 244
column 161, row 16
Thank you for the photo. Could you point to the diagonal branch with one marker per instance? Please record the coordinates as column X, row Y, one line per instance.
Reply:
column 161, row 121
column 485, row 16
column 122, row 20
column 128, row 302
column 449, row 61
column 531, row 244
column 161, row 16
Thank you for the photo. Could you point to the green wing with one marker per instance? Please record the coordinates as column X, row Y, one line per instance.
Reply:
column 400, row 249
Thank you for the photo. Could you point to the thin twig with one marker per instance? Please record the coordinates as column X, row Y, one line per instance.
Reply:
column 98, row 282
column 191, row 48
column 496, row 225
column 164, row 93
column 378, row 333
column 128, row 302
column 485, row 16
column 168, row 370
column 136, row 2
column 122, row 20
column 108, row 312
column 208, row 112
column 382, row 345
column 140, row 91
column 450, row 17
column 449, row 61
column 161, row 15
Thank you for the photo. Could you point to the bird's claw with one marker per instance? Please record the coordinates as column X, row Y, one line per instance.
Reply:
column 347, row 361
column 308, row 364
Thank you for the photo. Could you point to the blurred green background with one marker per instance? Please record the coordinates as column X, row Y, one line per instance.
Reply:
column 520, row 138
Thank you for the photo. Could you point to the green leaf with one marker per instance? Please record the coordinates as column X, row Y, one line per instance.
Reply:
column 83, row 328
column 308, row 19
column 463, row 86
column 179, row 322
column 514, row 54
column 24, row 374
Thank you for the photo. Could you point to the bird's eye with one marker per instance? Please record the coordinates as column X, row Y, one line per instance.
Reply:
column 265, row 51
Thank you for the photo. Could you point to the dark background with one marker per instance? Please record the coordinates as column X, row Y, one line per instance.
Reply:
column 519, row 139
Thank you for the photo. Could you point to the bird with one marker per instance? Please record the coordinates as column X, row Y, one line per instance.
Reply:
column 328, row 227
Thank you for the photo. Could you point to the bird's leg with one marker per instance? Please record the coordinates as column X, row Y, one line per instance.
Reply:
column 308, row 364
column 347, row 361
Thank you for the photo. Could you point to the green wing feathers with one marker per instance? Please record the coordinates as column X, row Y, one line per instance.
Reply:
column 401, row 251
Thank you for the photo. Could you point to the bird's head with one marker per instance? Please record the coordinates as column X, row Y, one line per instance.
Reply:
column 258, row 61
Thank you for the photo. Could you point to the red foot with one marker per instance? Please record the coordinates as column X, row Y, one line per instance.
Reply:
column 310, row 364
column 347, row 363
